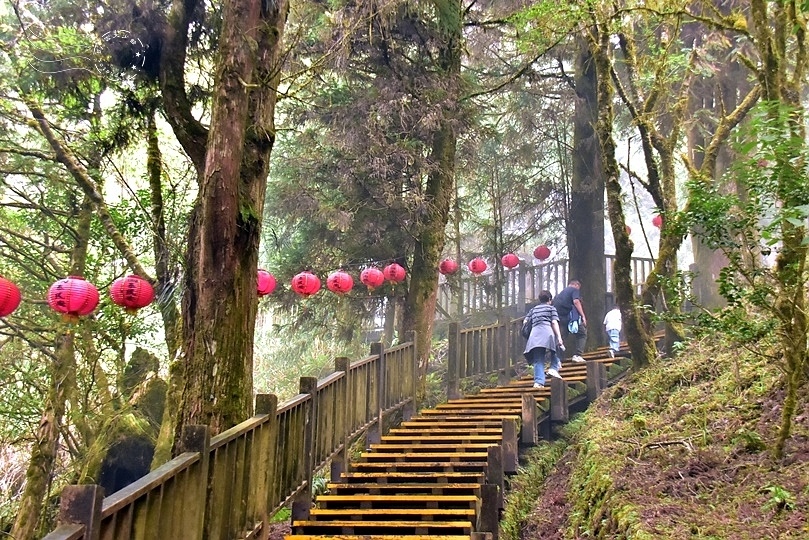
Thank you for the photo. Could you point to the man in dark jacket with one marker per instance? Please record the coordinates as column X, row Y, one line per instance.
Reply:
column 571, row 314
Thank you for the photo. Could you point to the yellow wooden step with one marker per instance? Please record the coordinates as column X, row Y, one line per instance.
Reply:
column 399, row 528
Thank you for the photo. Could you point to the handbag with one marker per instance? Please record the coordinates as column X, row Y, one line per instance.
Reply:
column 527, row 325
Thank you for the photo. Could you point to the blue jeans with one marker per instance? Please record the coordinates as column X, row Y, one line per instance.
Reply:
column 614, row 339
column 538, row 362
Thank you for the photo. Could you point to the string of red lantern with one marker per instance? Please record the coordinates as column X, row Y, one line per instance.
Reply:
column 542, row 252
column 73, row 297
column 10, row 297
column 132, row 293
column 509, row 260
column 340, row 282
column 448, row 266
column 477, row 266
column 265, row 283
column 372, row 277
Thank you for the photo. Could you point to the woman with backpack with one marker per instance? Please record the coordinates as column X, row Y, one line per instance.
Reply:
column 544, row 338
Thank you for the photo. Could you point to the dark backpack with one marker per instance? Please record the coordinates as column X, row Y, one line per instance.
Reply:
column 527, row 325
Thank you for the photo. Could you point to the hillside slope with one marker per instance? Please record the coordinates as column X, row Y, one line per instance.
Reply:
column 678, row 451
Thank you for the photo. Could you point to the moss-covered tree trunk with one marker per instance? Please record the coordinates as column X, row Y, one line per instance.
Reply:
column 219, row 306
column 585, row 224
column 777, row 27
column 640, row 340
column 422, row 293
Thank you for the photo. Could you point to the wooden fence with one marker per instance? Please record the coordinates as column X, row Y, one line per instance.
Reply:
column 515, row 287
column 230, row 485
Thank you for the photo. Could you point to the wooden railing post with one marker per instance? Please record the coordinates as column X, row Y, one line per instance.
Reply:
column 302, row 502
column 503, row 350
column 196, row 438
column 522, row 272
column 265, row 466
column 453, row 361
column 511, row 456
column 529, row 420
column 494, row 472
column 374, row 433
column 339, row 463
column 489, row 515
column 412, row 408
column 559, row 408
column 596, row 380
column 81, row 505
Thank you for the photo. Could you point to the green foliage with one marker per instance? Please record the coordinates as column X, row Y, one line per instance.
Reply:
column 526, row 486
column 780, row 499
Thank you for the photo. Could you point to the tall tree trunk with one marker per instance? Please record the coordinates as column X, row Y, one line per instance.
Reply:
column 640, row 340
column 421, row 296
column 219, row 306
column 586, row 217
column 44, row 451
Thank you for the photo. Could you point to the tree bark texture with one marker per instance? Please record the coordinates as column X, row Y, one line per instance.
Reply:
column 640, row 340
column 586, row 215
column 219, row 306
column 422, row 293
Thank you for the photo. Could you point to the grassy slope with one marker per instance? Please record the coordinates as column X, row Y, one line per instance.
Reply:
column 678, row 451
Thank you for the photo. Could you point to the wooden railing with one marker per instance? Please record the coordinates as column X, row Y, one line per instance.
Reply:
column 517, row 286
column 230, row 485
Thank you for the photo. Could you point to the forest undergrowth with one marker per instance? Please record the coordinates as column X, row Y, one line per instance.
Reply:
column 681, row 450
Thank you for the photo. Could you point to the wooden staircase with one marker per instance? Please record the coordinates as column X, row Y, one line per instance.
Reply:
column 439, row 475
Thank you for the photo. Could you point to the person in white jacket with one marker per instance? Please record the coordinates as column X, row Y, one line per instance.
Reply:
column 612, row 325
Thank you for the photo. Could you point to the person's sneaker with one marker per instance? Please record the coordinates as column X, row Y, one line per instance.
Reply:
column 537, row 385
column 553, row 373
column 577, row 358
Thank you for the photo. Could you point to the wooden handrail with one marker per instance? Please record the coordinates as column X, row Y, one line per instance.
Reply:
column 230, row 485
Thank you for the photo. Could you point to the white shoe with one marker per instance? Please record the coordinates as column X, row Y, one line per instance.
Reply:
column 611, row 353
column 537, row 385
column 553, row 373
column 577, row 358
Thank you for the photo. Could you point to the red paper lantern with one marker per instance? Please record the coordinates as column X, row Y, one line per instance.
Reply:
column 9, row 297
column 340, row 282
column 372, row 277
column 628, row 230
column 73, row 296
column 265, row 283
column 448, row 266
column 477, row 266
column 542, row 252
column 305, row 284
column 657, row 221
column 393, row 272
column 132, row 292
column 510, row 260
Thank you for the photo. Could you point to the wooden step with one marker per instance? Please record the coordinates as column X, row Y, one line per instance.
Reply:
column 397, row 501
column 406, row 477
column 396, row 457
column 427, row 466
column 470, row 418
column 505, row 411
column 449, row 438
column 442, row 428
column 429, row 488
column 398, row 528
column 422, row 422
column 393, row 514
column 375, row 537
column 437, row 447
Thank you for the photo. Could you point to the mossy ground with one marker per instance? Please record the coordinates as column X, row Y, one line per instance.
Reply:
column 681, row 450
